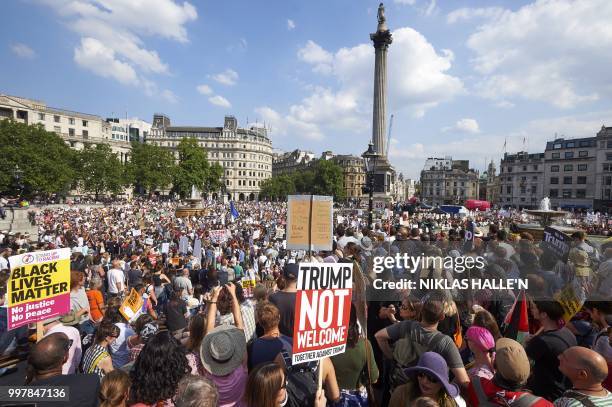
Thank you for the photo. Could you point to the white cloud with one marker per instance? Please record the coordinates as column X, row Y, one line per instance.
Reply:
column 407, row 2
column 554, row 51
column 204, row 89
column 23, row 51
column 228, row 77
column 466, row 14
column 119, row 27
column 169, row 96
column 218, row 100
column 288, row 126
column 431, row 8
column 290, row 24
column 98, row 58
column 464, row 126
column 417, row 81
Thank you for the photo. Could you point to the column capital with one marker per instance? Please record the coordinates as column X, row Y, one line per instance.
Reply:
column 381, row 39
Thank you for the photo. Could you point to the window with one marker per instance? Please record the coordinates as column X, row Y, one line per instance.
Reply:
column 554, row 180
column 583, row 153
column 508, row 189
column 608, row 156
column 582, row 167
column 554, row 168
column 585, row 143
column 523, row 179
column 84, row 123
column 609, row 144
column 522, row 199
column 41, row 116
column 56, row 119
column 581, row 180
column 85, row 134
column 570, row 144
column 524, row 168
column 556, row 155
column 534, row 189
column 509, row 169
column 535, row 167
column 568, row 167
column 567, row 193
column 523, row 190
column 557, row 146
column 71, row 132
column 569, row 154
column 567, row 180
column 57, row 129
column 534, row 178
column 71, row 120
column 553, row 193
column 581, row 193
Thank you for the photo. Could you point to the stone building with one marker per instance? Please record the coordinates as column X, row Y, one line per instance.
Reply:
column 521, row 180
column 244, row 154
column 603, row 171
column 75, row 128
column 445, row 181
column 292, row 161
column 354, row 176
column 492, row 185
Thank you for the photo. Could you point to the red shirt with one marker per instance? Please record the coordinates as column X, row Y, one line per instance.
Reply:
column 490, row 389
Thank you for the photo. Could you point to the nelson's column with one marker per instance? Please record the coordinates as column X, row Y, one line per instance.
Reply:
column 384, row 174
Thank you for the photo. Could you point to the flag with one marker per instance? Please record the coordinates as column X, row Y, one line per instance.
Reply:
column 233, row 210
column 517, row 320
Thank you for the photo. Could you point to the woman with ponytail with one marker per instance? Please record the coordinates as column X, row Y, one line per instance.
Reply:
column 114, row 389
column 482, row 345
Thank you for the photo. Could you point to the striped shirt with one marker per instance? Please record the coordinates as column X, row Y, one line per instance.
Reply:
column 602, row 401
column 93, row 356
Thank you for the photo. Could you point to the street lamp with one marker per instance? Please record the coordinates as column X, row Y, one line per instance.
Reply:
column 369, row 157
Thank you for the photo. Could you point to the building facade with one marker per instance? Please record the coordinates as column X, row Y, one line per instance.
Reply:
column 445, row 181
column 244, row 154
column 75, row 128
column 353, row 171
column 292, row 161
column 569, row 172
column 492, row 192
column 521, row 180
column 410, row 188
column 603, row 170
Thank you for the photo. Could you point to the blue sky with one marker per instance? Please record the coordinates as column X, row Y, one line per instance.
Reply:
column 464, row 76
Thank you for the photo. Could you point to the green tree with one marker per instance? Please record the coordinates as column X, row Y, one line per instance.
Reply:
column 100, row 171
column 328, row 179
column 42, row 160
column 193, row 169
column 150, row 167
column 278, row 187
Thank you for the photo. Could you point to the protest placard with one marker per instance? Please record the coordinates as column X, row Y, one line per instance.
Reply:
column 149, row 241
column 322, row 310
column 569, row 301
column 165, row 248
column 309, row 220
column 38, row 287
column 379, row 205
column 248, row 283
column 556, row 242
column 131, row 306
column 219, row 236
column 136, row 232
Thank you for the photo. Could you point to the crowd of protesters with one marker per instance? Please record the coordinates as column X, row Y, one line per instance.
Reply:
column 217, row 320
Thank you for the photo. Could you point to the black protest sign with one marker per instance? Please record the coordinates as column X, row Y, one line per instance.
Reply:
column 556, row 242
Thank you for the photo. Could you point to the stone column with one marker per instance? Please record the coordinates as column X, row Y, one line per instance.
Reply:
column 381, row 39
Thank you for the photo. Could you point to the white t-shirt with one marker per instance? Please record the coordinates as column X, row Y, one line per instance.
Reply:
column 75, row 352
column 120, row 354
column 115, row 276
column 3, row 263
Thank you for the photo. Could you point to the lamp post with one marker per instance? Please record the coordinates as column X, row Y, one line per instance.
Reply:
column 369, row 157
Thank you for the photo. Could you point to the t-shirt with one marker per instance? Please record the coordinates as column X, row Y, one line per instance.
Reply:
column 415, row 332
column 285, row 302
column 231, row 387
column 115, row 276
column 120, row 354
column 134, row 277
column 75, row 352
column 96, row 302
column 601, row 401
column 175, row 315
column 266, row 349
column 78, row 301
column 83, row 390
column 350, row 364
column 183, row 283
column 546, row 380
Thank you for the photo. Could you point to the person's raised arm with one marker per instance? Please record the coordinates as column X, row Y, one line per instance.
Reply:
column 329, row 378
column 212, row 309
column 235, row 306
column 382, row 337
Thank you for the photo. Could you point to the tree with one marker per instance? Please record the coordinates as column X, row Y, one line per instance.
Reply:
column 323, row 178
column 277, row 187
column 193, row 169
column 328, row 179
column 100, row 171
column 41, row 160
column 150, row 167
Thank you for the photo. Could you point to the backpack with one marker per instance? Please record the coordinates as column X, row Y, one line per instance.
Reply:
column 406, row 353
column 524, row 400
column 302, row 381
column 582, row 398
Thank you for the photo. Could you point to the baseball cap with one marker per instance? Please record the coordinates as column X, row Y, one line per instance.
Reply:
column 511, row 361
column 290, row 271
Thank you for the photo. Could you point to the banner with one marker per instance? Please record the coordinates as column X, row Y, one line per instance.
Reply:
column 306, row 232
column 197, row 250
column 183, row 245
column 322, row 310
column 248, row 283
column 165, row 248
column 556, row 242
column 219, row 236
column 38, row 287
column 379, row 205
column 569, row 301
column 132, row 306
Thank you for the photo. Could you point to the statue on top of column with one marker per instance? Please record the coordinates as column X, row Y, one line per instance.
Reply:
column 382, row 26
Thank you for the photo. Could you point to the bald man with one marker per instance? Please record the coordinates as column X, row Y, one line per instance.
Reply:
column 587, row 370
column 46, row 359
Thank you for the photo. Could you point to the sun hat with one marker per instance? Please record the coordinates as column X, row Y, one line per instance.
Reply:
column 148, row 331
column 511, row 361
column 366, row 243
column 223, row 350
column 69, row 319
column 481, row 337
column 434, row 364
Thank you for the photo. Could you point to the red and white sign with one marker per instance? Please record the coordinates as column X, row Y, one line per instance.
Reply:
column 322, row 310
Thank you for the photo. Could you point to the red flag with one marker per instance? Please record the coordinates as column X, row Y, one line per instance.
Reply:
column 517, row 320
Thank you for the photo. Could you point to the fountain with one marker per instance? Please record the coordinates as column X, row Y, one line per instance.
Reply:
column 545, row 217
column 194, row 207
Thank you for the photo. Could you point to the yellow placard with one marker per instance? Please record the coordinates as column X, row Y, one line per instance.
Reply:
column 569, row 301
column 131, row 305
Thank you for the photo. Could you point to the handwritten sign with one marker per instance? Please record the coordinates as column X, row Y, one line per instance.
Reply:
column 131, row 306
column 306, row 232
column 569, row 301
column 38, row 287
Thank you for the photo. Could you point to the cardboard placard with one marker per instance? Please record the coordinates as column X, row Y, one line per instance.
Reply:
column 569, row 301
column 131, row 306
column 556, row 242
column 322, row 310
column 38, row 287
column 306, row 233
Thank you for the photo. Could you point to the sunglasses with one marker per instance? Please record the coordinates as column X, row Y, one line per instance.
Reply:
column 68, row 345
column 431, row 378
column 284, row 385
